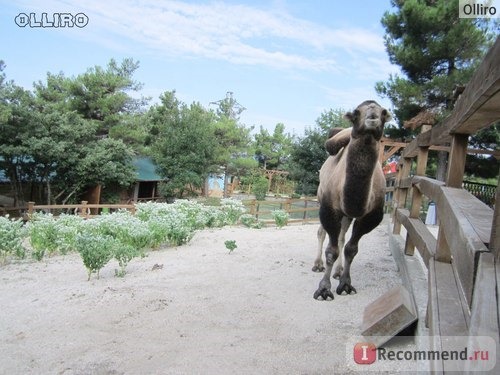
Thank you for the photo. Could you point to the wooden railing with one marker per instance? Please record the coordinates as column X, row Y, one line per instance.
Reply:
column 462, row 260
column 84, row 209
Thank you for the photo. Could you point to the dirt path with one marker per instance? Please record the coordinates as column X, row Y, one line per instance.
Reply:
column 203, row 312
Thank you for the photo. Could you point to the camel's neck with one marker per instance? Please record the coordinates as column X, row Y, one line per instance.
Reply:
column 362, row 158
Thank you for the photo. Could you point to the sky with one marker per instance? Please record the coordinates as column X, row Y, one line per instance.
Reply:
column 284, row 61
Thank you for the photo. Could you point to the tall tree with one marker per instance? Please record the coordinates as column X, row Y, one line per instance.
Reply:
column 436, row 51
column 273, row 150
column 185, row 149
column 46, row 141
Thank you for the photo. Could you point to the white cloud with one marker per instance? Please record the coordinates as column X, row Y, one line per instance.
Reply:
column 239, row 34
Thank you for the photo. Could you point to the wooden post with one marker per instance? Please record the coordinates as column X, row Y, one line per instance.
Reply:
column 423, row 153
column 83, row 209
column 400, row 194
column 31, row 209
column 454, row 178
column 456, row 160
column 304, row 218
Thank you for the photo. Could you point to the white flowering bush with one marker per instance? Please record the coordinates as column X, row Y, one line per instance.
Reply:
column 12, row 233
column 120, row 235
column 233, row 209
column 42, row 234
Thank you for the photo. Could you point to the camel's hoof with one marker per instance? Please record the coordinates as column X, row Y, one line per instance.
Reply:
column 323, row 293
column 344, row 287
column 317, row 268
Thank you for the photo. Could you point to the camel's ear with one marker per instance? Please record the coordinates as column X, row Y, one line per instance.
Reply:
column 386, row 116
column 341, row 139
column 352, row 116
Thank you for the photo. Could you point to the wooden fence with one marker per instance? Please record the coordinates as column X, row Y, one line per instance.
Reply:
column 462, row 262
column 302, row 210
column 84, row 209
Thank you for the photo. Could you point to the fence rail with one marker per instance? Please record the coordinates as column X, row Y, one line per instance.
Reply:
column 84, row 209
column 302, row 210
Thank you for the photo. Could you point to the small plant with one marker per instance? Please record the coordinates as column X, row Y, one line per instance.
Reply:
column 96, row 251
column 230, row 245
column 124, row 253
column 280, row 218
column 250, row 221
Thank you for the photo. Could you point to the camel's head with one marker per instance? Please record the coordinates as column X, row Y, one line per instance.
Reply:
column 368, row 118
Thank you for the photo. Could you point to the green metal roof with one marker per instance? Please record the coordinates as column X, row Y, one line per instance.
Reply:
column 146, row 169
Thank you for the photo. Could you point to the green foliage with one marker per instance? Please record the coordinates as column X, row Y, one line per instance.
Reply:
column 185, row 149
column 230, row 245
column 260, row 186
column 43, row 235
column 11, row 237
column 307, row 157
column 55, row 135
column 124, row 253
column 280, row 217
column 435, row 50
column 96, row 251
column 272, row 151
column 250, row 221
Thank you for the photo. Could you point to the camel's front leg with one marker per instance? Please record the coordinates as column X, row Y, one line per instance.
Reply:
column 338, row 266
column 361, row 227
column 318, row 262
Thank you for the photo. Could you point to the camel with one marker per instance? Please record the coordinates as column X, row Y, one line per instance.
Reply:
column 352, row 187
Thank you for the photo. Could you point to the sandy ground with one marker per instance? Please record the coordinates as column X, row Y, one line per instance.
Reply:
column 204, row 312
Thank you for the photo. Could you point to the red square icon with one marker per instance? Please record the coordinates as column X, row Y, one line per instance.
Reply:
column 365, row 353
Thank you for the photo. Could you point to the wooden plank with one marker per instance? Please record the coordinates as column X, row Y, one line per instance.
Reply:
column 452, row 317
column 460, row 234
column 428, row 186
column 388, row 315
column 485, row 314
column 478, row 214
column 420, row 235
column 495, row 227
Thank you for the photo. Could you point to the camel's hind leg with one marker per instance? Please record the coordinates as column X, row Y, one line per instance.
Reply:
column 331, row 222
column 361, row 227
column 318, row 262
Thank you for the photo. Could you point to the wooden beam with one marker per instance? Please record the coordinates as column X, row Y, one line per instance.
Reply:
column 420, row 235
column 428, row 186
column 461, row 217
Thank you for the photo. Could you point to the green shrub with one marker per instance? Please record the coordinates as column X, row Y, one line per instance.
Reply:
column 280, row 218
column 260, row 187
column 12, row 233
column 96, row 251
